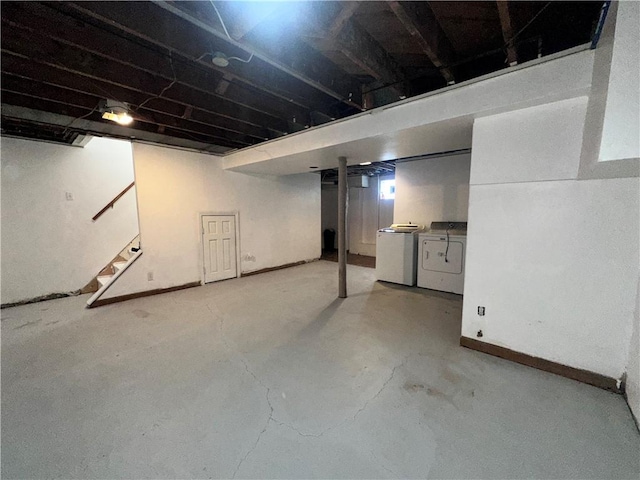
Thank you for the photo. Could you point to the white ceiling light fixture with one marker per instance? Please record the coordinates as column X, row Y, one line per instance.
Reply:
column 220, row 59
column 116, row 112
column 365, row 163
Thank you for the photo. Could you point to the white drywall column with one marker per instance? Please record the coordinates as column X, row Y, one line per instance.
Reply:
column 611, row 141
column 342, row 227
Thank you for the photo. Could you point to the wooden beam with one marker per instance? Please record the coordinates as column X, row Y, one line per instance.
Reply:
column 327, row 31
column 67, row 30
column 241, row 25
column 69, row 99
column 421, row 23
column 347, row 11
column 147, row 22
column 170, row 27
column 284, row 55
column 506, row 23
column 82, row 122
column 112, row 76
column 27, row 70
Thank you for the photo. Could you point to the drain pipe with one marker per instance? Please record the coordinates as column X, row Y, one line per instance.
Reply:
column 342, row 227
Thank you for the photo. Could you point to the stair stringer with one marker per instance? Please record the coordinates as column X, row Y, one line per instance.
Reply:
column 111, row 281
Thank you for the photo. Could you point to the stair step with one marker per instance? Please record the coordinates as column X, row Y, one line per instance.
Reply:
column 119, row 265
column 104, row 279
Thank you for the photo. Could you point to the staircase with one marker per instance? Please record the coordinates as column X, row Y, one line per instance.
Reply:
column 101, row 282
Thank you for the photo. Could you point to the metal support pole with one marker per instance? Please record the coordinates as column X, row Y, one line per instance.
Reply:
column 342, row 227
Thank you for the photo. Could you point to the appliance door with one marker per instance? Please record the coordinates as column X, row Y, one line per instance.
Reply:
column 436, row 257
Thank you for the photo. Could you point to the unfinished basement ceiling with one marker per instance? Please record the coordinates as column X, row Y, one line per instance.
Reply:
column 297, row 64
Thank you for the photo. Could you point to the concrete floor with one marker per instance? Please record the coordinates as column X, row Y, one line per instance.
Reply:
column 270, row 376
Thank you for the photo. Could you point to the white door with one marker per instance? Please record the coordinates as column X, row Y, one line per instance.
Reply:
column 219, row 240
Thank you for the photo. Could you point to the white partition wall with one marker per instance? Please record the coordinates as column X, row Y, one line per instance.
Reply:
column 553, row 260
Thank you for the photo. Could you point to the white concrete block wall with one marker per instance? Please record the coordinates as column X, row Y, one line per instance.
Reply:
column 279, row 216
column 49, row 243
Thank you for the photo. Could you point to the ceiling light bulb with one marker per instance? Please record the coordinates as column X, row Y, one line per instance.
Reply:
column 122, row 118
column 365, row 163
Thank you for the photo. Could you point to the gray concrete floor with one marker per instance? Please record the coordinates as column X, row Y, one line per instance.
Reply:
column 271, row 377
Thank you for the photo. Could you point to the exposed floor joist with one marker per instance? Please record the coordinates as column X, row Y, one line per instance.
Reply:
column 507, row 31
column 429, row 35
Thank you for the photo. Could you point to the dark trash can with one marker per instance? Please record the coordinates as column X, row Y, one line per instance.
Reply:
column 329, row 239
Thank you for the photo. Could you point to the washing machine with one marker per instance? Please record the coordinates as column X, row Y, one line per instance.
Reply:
column 442, row 257
column 396, row 253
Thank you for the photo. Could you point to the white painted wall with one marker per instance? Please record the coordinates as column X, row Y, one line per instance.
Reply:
column 433, row 189
column 633, row 366
column 366, row 214
column 279, row 216
column 621, row 129
column 50, row 244
column 531, row 145
column 553, row 260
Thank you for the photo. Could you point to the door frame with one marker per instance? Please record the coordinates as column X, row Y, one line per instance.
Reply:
column 235, row 214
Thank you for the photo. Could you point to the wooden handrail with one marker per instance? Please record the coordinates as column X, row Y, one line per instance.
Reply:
column 115, row 199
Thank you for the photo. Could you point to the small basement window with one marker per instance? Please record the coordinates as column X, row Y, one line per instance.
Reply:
column 388, row 189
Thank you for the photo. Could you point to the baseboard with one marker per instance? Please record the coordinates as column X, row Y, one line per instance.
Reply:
column 146, row 293
column 43, row 298
column 580, row 375
column 279, row 267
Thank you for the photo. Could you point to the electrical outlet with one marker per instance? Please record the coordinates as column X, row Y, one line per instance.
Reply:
column 68, row 196
column 481, row 311
column 150, row 276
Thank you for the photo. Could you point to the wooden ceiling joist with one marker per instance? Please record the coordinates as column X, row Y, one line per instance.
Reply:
column 338, row 23
column 118, row 49
column 506, row 23
column 421, row 23
column 69, row 98
column 296, row 65
column 52, row 107
column 147, row 22
column 158, row 25
column 243, row 25
column 245, row 121
column 342, row 34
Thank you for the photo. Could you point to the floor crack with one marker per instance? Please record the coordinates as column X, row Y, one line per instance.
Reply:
column 255, row 444
column 258, row 381
column 393, row 372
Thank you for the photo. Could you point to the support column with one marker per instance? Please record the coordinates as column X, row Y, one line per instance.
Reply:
column 342, row 227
